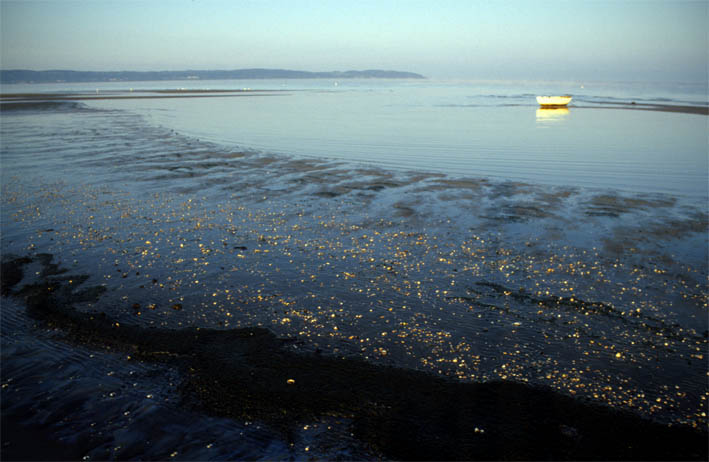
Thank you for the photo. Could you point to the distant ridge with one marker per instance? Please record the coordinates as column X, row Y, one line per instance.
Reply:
column 27, row 76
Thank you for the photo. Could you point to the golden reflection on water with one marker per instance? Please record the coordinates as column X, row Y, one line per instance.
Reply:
column 552, row 115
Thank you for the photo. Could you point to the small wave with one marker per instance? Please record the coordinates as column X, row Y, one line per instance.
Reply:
column 460, row 105
column 511, row 96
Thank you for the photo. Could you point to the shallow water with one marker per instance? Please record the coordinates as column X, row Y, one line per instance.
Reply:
column 598, row 292
column 462, row 128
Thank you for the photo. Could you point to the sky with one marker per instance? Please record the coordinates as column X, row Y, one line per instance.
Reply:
column 536, row 39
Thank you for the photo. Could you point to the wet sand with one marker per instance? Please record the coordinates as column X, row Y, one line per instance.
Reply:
column 403, row 414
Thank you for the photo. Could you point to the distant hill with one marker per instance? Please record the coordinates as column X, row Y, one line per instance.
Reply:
column 26, row 76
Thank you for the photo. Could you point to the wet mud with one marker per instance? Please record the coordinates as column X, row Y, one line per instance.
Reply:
column 26, row 106
column 399, row 413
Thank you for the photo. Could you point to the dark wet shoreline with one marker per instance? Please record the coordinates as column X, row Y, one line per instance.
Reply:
column 404, row 414
column 633, row 106
column 34, row 101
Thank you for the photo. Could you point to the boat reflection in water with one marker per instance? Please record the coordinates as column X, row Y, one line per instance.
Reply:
column 552, row 115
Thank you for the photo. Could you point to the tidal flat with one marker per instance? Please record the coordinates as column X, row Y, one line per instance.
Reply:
column 425, row 290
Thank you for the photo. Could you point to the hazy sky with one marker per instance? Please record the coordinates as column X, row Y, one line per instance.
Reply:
column 536, row 39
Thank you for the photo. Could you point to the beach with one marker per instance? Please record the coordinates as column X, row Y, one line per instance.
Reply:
column 122, row 238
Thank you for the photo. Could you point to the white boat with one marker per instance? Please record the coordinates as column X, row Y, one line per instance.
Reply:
column 553, row 101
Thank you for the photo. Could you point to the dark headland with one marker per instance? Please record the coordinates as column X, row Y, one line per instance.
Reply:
column 50, row 76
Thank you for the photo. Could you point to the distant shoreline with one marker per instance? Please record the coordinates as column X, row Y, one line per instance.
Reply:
column 70, row 76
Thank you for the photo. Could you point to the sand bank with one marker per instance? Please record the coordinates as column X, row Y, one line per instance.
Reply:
column 631, row 105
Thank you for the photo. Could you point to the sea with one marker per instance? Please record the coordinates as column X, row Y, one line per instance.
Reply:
column 453, row 227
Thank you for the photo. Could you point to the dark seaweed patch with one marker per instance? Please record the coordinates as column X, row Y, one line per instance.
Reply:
column 11, row 273
column 581, row 306
column 614, row 206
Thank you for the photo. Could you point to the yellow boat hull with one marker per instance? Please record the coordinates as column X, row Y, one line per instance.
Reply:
column 553, row 101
